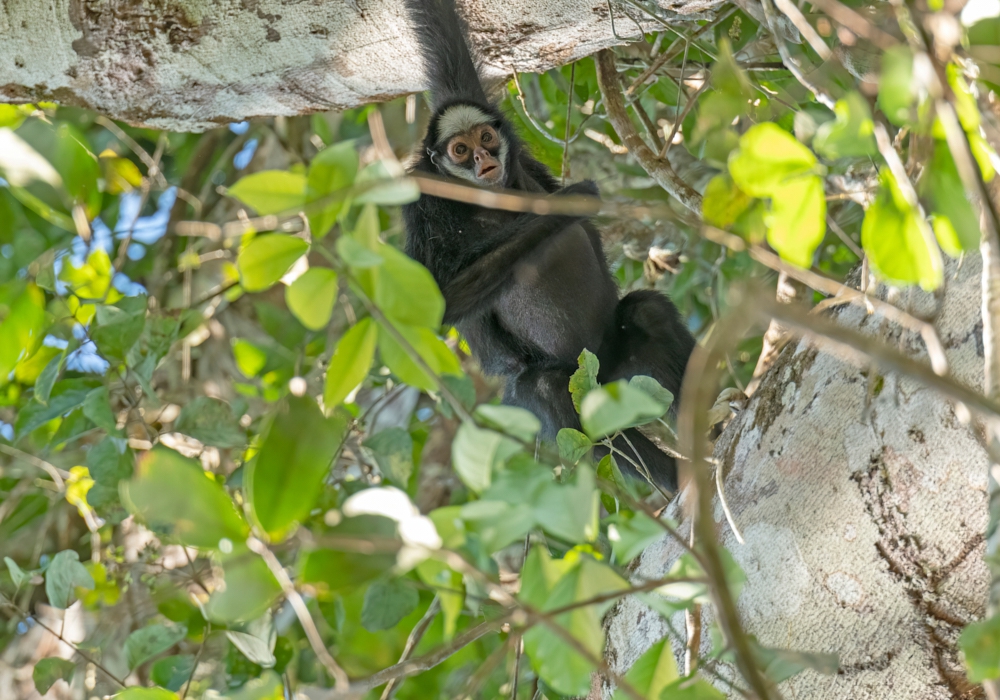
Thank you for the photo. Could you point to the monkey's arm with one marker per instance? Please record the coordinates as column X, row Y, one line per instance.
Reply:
column 479, row 281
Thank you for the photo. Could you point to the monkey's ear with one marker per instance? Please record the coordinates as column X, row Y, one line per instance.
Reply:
column 431, row 153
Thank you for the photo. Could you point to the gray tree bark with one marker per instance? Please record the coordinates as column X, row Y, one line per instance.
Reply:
column 863, row 502
column 193, row 64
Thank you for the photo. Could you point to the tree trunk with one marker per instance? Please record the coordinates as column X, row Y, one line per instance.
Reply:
column 193, row 64
column 863, row 502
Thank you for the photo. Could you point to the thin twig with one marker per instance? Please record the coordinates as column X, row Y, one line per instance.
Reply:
column 725, row 505
column 58, row 475
column 821, row 95
column 792, row 12
column 341, row 682
column 660, row 170
column 569, row 114
column 416, row 634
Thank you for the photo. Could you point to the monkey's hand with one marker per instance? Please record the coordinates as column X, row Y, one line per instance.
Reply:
column 584, row 187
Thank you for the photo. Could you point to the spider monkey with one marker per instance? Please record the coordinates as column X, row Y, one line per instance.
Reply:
column 528, row 292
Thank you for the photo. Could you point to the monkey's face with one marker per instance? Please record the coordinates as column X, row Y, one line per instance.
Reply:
column 477, row 151
column 470, row 146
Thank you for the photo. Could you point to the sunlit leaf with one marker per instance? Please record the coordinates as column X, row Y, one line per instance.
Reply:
column 271, row 191
column 140, row 693
column 311, row 297
column 723, row 201
column 330, row 170
column 652, row 672
column 22, row 323
column 898, row 241
column 630, row 533
column 510, row 420
column 796, row 221
column 769, row 157
column 406, row 292
column 956, row 225
column 256, row 640
column 852, row 133
column 352, row 358
column 427, row 346
column 265, row 259
column 896, row 89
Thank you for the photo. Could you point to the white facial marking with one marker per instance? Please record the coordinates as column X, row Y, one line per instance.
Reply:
column 459, row 119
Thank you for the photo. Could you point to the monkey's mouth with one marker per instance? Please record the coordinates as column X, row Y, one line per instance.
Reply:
column 489, row 172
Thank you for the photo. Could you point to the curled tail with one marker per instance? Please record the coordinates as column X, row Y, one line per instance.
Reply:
column 448, row 62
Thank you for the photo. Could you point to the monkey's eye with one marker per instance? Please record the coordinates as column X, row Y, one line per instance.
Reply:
column 460, row 149
column 487, row 137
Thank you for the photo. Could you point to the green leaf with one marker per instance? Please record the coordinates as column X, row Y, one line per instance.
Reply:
column 980, row 642
column 17, row 575
column 174, row 496
column 614, row 407
column 569, row 510
column 406, row 292
column 898, row 241
column 547, row 585
column 653, row 389
column 147, row 642
column 67, row 395
column 438, row 357
column 391, row 191
column 250, row 588
column 692, row 689
column 955, row 223
column 139, row 693
column 584, row 379
column 687, row 566
column 285, row 478
column 271, row 191
column 330, row 170
column 311, row 297
column 118, row 327
column 47, row 379
column 256, row 640
column 338, row 571
column 386, row 603
column 62, row 575
column 357, row 255
column 477, row 452
column 510, row 420
column 172, row 672
column 48, row 671
column 630, row 533
column 268, row 687
column 211, row 422
column 23, row 325
column 769, row 157
column 652, row 672
column 97, row 407
column 896, row 88
column 352, row 358
column 573, row 445
column 723, row 201
column 393, row 450
column 250, row 358
column 851, row 134
column 265, row 259
column 796, row 221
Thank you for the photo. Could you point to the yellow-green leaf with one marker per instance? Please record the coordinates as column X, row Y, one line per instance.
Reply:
column 271, row 191
column 265, row 259
column 311, row 297
column 350, row 362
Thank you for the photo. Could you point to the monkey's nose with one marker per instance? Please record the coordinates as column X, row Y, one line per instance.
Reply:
column 480, row 153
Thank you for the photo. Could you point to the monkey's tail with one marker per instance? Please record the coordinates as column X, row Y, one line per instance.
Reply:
column 447, row 59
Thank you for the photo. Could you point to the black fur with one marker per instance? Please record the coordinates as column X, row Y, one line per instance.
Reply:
column 530, row 292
